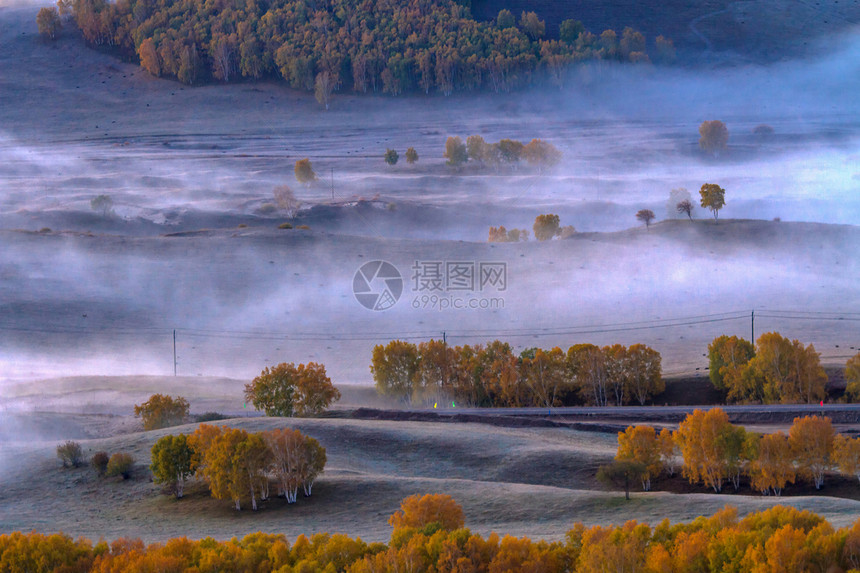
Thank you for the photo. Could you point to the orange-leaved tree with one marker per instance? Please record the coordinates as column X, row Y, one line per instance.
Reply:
column 846, row 455
column 771, row 463
column 811, row 439
column 711, row 447
column 162, row 411
column 436, row 509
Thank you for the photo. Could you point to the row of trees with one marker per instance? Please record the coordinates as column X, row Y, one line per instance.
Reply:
column 775, row 370
column 491, row 375
column 429, row 536
column 239, row 465
column 714, row 452
column 475, row 150
column 546, row 227
column 371, row 45
column 391, row 156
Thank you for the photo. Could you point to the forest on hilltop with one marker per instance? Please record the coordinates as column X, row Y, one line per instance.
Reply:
column 367, row 46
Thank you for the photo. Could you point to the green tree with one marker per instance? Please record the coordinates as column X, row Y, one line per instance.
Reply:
column 621, row 473
column 505, row 19
column 411, row 156
column 727, row 355
column 172, row 461
column 570, row 30
column 546, row 227
column 162, row 411
column 391, row 157
column 394, row 367
column 102, row 203
column 646, row 216
column 713, row 198
column 455, row 151
column 713, row 137
column 304, row 171
column 49, row 23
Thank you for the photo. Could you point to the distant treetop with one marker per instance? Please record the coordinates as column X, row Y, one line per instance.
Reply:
column 363, row 45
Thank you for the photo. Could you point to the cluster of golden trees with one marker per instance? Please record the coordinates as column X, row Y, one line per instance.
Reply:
column 369, row 45
column 775, row 370
column 546, row 227
column 429, row 537
column 239, row 465
column 715, row 452
column 537, row 153
column 162, row 411
column 290, row 390
column 491, row 375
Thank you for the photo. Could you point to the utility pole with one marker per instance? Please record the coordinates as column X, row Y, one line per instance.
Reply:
column 331, row 171
column 174, row 352
column 752, row 326
column 444, row 338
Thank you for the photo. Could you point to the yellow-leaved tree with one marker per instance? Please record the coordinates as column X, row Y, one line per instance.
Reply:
column 811, row 439
column 640, row 444
column 771, row 463
column 711, row 447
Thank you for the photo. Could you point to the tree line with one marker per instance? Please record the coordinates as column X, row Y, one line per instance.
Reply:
column 239, row 465
column 429, row 536
column 492, row 375
column 716, row 452
column 368, row 46
column 475, row 150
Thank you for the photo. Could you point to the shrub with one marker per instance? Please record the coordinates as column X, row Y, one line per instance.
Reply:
column 120, row 464
column 303, row 228
column 210, row 417
column 70, row 453
column 285, row 226
column 99, row 461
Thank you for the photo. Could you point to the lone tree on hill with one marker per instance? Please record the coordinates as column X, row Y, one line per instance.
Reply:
column 713, row 136
column 411, row 156
column 305, row 172
column 102, row 203
column 391, row 157
column 621, row 473
column 646, row 216
column 545, row 227
column 713, row 198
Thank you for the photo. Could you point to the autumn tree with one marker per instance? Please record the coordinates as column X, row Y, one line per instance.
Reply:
column 304, row 171
column 587, row 366
column 710, row 446
column 645, row 372
column 510, row 151
column 420, row 511
column 566, row 232
column 545, row 374
column 616, row 363
column 852, row 378
column 391, row 157
column 70, row 454
column 787, row 371
column 621, row 473
column 455, row 151
column 324, row 85
column 290, row 390
column 713, row 137
column 570, row 30
column 120, row 464
column 541, row 154
column 434, row 377
column 713, row 197
column 665, row 47
column 533, row 26
column 162, row 411
column 476, row 148
column 728, row 356
column 545, row 227
column 149, row 58
column 172, row 460
column 411, row 156
column 645, row 216
column 667, row 447
column 771, row 463
column 811, row 440
column 49, row 23
column 286, row 200
column 640, row 444
column 394, row 367
column 846, row 455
